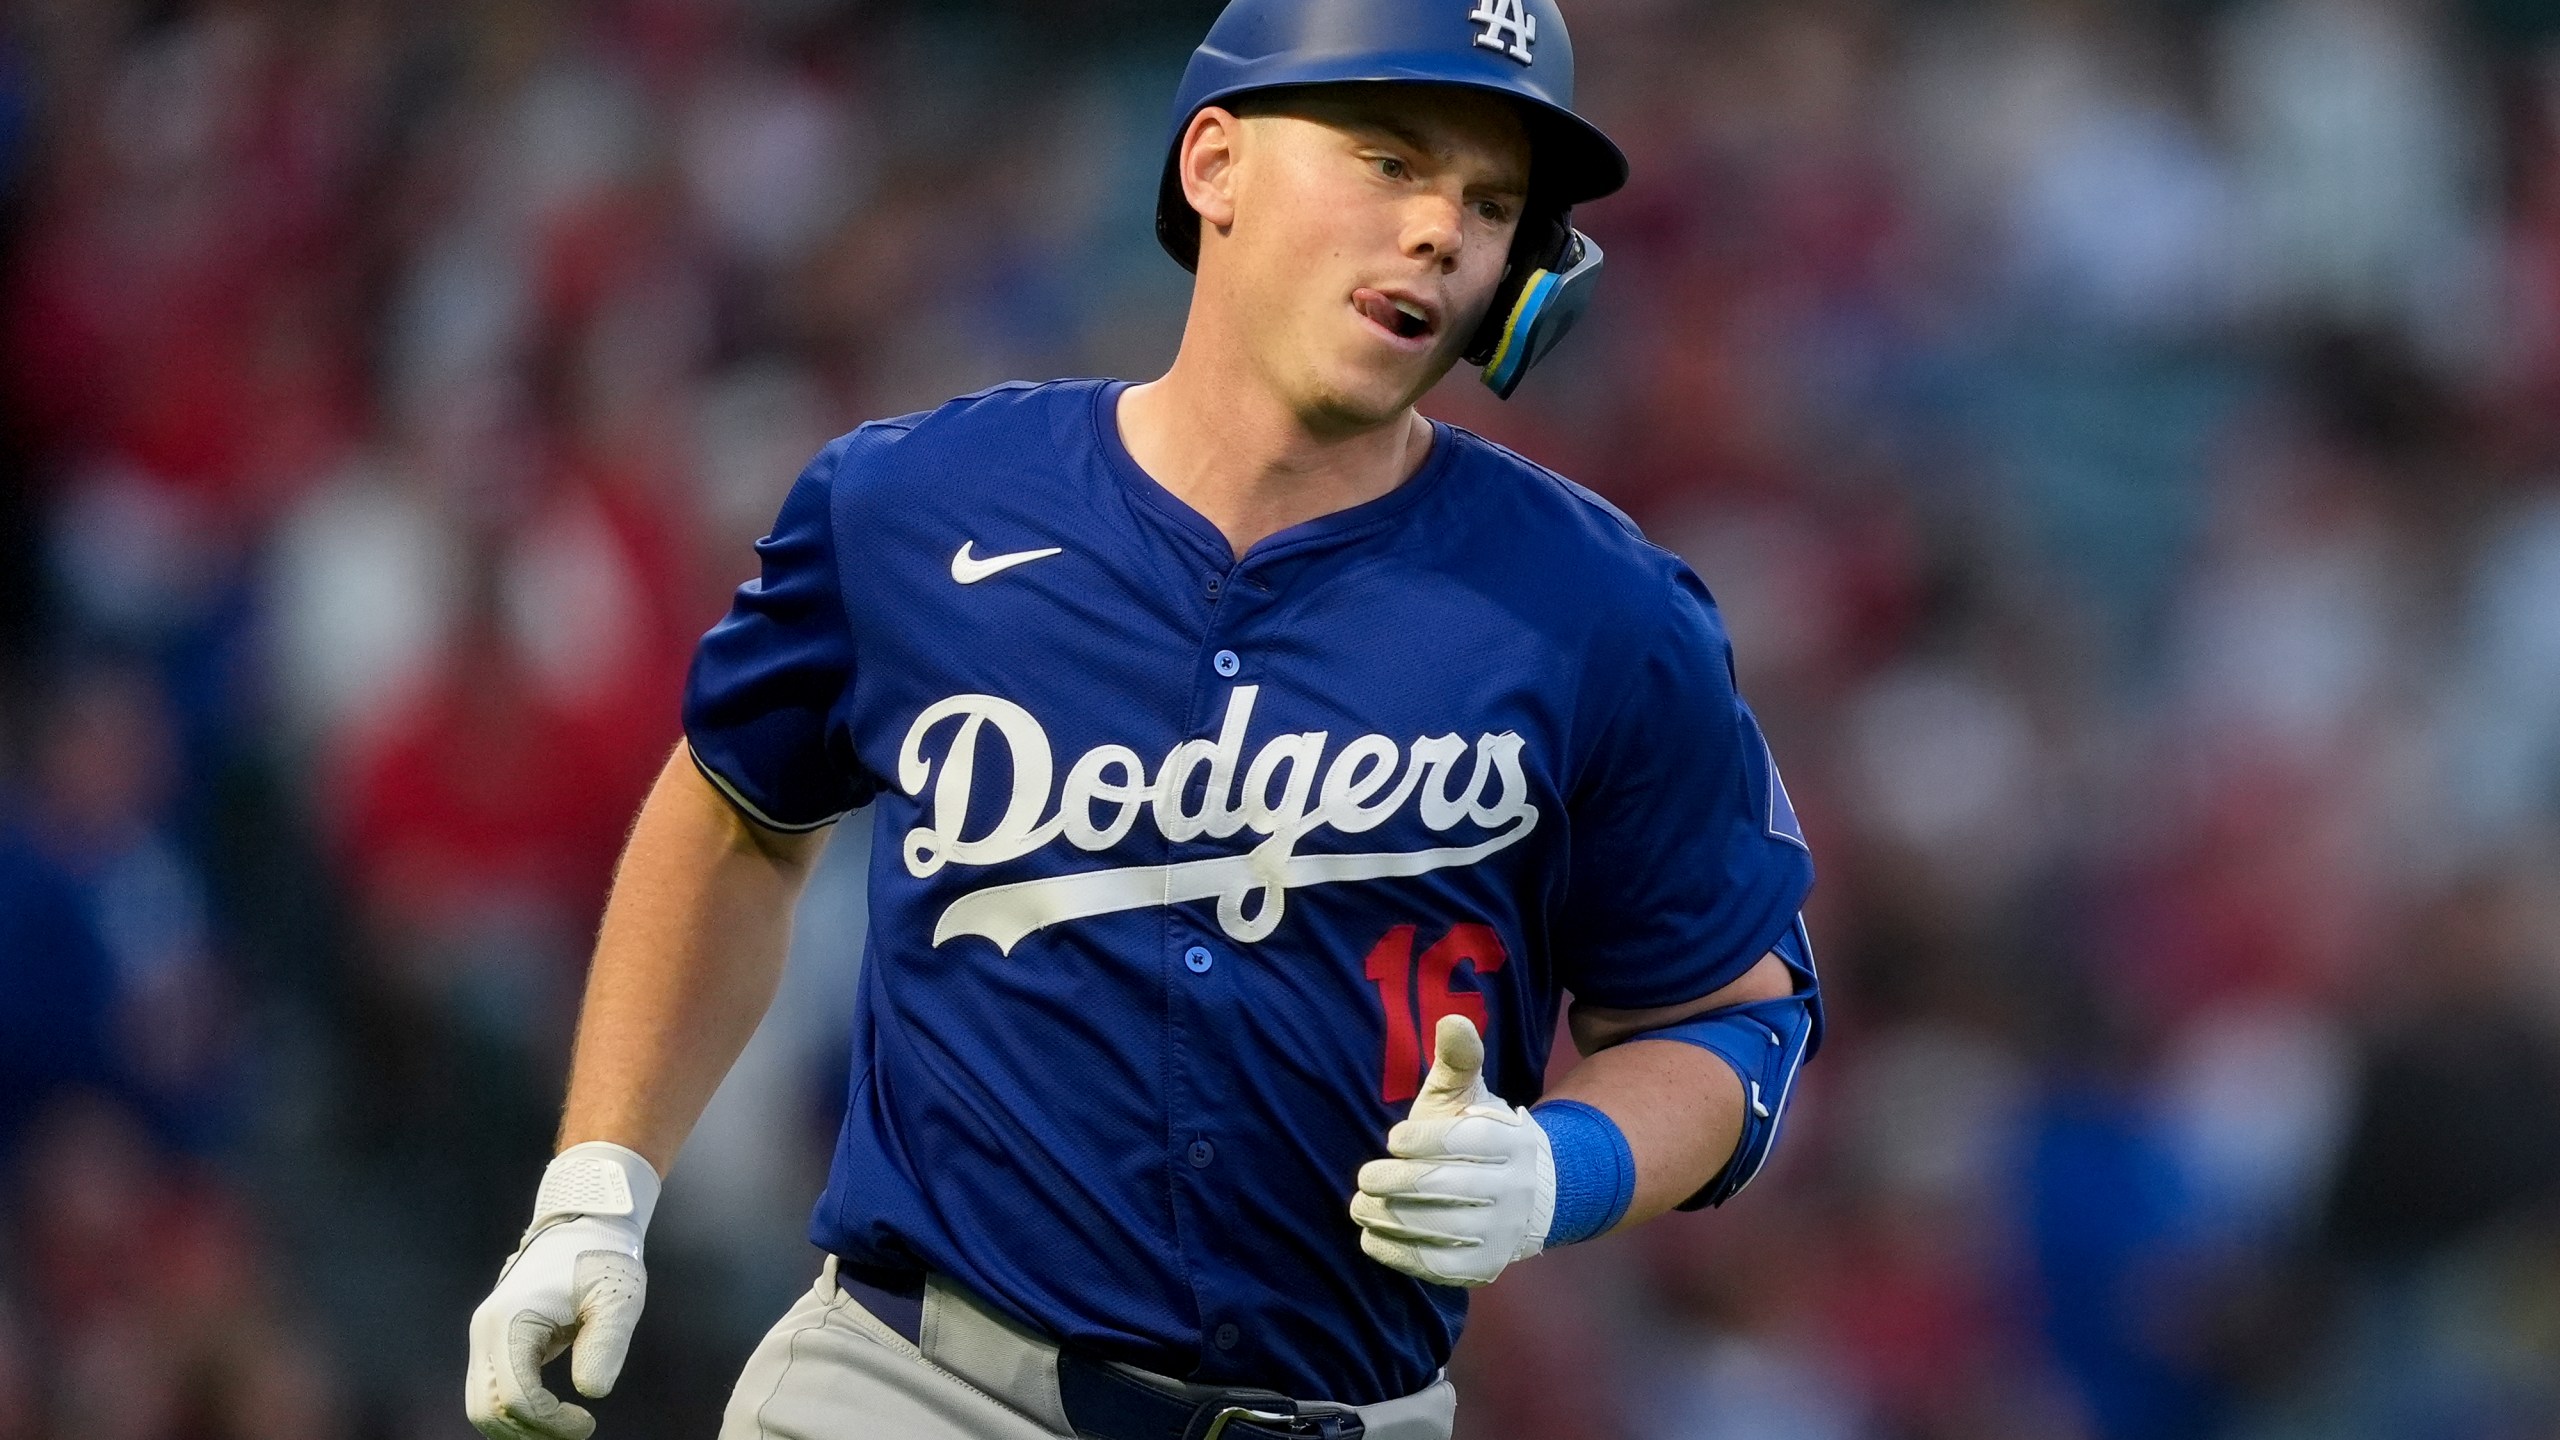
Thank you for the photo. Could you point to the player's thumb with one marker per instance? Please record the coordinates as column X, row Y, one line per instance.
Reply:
column 1457, row 1068
column 610, row 1288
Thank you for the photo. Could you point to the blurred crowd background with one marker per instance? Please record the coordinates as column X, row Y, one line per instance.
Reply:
column 2124, row 438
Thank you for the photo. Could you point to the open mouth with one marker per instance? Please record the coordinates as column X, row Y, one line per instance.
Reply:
column 1404, row 319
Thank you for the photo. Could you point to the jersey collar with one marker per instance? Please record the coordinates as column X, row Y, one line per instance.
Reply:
column 1334, row 528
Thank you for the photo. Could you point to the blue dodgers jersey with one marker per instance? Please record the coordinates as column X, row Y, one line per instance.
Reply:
column 1181, row 857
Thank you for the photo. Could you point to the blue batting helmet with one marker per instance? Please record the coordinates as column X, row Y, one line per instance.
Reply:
column 1514, row 48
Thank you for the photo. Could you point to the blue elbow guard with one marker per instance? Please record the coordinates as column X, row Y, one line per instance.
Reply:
column 1765, row 1042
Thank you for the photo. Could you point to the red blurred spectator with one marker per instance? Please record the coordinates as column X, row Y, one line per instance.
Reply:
column 481, row 797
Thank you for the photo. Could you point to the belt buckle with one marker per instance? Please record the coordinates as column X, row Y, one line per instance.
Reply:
column 1328, row 1426
column 1218, row 1423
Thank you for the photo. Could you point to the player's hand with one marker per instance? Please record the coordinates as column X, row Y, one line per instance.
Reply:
column 575, row 1283
column 1471, row 1186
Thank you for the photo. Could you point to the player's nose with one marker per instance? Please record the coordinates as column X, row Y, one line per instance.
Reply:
column 1435, row 229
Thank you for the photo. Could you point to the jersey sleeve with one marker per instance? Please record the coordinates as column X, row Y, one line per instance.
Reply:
column 761, row 698
column 1686, row 863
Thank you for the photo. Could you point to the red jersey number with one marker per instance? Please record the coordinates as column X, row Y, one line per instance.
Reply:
column 1415, row 993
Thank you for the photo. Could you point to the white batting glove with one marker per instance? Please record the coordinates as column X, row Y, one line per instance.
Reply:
column 575, row 1278
column 1472, row 1185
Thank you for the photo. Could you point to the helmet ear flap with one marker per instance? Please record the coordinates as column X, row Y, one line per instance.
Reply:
column 1539, row 244
column 1542, row 296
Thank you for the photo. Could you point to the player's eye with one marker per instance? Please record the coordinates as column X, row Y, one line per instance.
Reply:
column 1494, row 212
column 1390, row 167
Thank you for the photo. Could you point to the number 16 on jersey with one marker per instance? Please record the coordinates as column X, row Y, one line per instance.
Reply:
column 1416, row 992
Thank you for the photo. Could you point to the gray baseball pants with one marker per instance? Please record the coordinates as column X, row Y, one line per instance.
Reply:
column 830, row 1370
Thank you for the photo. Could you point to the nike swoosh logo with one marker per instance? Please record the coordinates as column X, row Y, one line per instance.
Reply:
column 968, row 569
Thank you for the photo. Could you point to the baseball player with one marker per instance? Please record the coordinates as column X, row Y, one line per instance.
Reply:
column 1255, row 765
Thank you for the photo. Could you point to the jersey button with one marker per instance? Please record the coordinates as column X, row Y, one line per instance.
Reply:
column 1201, row 1153
column 1226, row 1337
column 1197, row 959
column 1226, row 663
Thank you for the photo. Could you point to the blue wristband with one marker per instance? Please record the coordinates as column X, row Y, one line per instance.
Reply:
column 1595, row 1171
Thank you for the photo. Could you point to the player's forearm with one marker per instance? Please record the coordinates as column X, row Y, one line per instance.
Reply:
column 1679, row 1106
column 686, row 963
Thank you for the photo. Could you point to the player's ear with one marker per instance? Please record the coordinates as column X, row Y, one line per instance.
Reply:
column 1206, row 164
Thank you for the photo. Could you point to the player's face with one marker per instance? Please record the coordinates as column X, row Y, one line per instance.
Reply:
column 1371, row 225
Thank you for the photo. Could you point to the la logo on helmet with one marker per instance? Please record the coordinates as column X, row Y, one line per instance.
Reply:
column 1506, row 17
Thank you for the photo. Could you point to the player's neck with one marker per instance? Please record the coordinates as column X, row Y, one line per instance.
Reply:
column 1252, row 466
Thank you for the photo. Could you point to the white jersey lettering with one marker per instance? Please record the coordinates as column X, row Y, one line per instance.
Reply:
column 1194, row 793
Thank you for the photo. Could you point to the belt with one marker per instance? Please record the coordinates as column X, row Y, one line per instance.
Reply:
column 1104, row 1402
